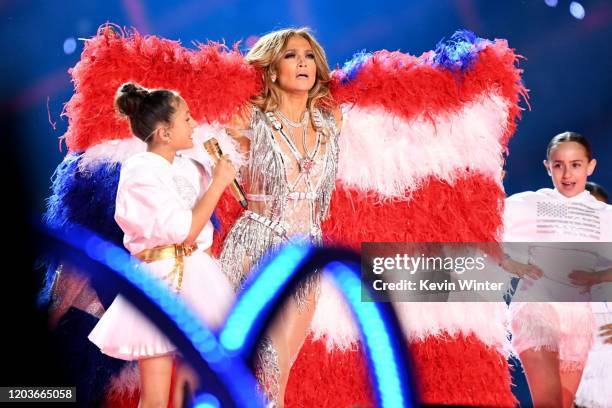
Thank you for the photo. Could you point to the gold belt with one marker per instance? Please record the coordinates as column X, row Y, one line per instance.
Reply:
column 177, row 251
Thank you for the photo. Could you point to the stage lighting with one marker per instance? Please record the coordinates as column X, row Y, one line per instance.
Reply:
column 273, row 276
column 69, row 45
column 577, row 10
column 551, row 3
column 206, row 401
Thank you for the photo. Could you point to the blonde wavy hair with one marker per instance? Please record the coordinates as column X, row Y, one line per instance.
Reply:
column 265, row 55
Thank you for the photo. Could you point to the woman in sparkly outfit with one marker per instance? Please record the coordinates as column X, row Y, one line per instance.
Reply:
column 289, row 134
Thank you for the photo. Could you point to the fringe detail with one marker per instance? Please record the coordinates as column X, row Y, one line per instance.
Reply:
column 594, row 390
column 563, row 327
column 267, row 370
column 266, row 166
column 244, row 247
column 328, row 182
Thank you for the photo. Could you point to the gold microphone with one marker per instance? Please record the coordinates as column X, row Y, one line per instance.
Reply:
column 214, row 151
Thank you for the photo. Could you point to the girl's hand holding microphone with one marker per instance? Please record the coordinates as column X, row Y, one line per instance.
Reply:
column 224, row 172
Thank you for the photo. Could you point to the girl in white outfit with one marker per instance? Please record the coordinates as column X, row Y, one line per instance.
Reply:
column 553, row 339
column 164, row 204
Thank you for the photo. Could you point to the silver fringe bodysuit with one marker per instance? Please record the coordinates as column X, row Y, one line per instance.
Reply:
column 288, row 196
column 285, row 199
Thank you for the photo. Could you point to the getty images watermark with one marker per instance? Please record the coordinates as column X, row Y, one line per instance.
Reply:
column 472, row 272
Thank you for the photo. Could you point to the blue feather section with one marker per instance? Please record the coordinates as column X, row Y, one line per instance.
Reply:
column 86, row 198
column 459, row 51
column 352, row 67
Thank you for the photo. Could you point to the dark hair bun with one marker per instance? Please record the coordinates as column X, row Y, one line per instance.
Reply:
column 145, row 108
column 130, row 97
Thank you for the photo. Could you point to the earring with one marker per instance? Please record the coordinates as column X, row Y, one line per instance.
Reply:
column 167, row 134
column 273, row 77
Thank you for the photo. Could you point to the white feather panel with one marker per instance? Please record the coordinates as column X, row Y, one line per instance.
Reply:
column 383, row 153
column 119, row 150
column 111, row 151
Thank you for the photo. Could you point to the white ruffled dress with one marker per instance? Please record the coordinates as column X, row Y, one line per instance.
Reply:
column 153, row 208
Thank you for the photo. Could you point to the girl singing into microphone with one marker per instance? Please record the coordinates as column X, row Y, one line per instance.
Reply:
column 164, row 204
